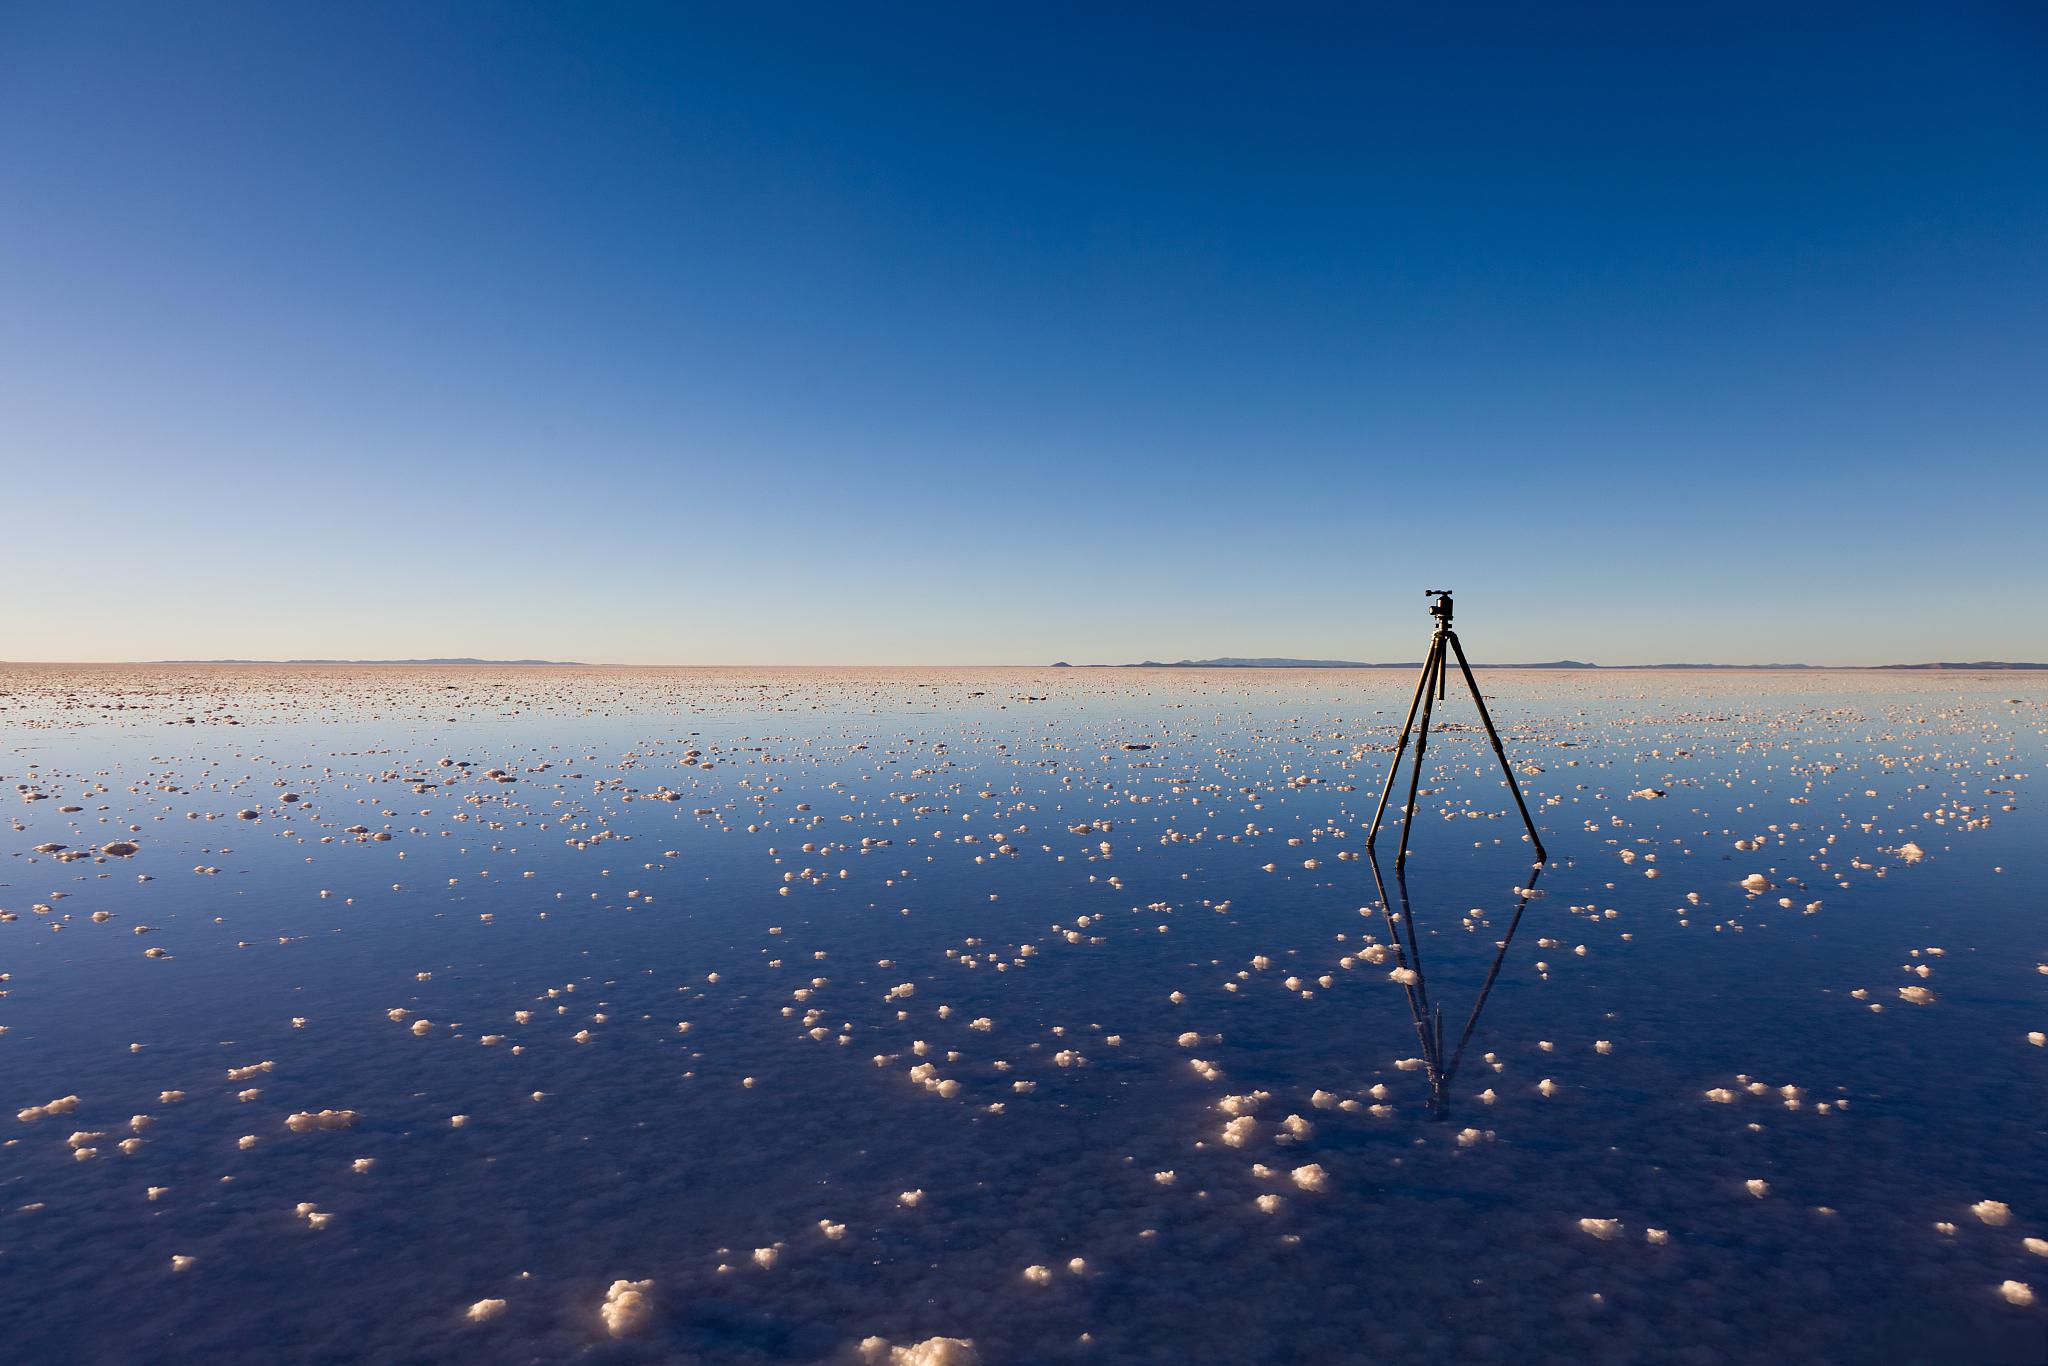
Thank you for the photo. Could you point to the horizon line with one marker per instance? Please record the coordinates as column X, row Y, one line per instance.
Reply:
column 1236, row 666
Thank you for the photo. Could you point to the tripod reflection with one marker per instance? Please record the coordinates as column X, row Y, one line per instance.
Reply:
column 1429, row 1015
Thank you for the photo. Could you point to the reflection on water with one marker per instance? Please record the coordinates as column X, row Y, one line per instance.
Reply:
column 1429, row 1015
column 408, row 1015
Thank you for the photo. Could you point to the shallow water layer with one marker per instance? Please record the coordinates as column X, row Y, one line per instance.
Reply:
column 1055, row 1011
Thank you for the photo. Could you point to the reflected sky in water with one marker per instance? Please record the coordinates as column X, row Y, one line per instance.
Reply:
column 1055, row 1010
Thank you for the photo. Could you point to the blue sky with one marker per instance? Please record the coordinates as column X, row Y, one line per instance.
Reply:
column 889, row 334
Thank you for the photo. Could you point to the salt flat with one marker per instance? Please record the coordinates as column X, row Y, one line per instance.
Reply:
column 1015, row 1015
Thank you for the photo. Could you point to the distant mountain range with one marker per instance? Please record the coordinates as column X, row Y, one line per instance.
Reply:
column 544, row 663
column 1235, row 663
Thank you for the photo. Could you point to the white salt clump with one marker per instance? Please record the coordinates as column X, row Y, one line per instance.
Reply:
column 1919, row 996
column 1312, row 1177
column 626, row 1308
column 361, row 1166
column 831, row 1230
column 1657, row 1236
column 1038, row 1275
column 1323, row 1100
column 1757, row 1187
column 1165, row 1178
column 1757, row 882
column 1603, row 1229
column 63, row 1105
column 2037, row 1039
column 1407, row 977
column 1239, row 1131
column 2037, row 1246
column 1721, row 1095
column 304, row 1122
column 1270, row 1204
column 767, row 1257
column 1993, row 1212
column 1547, row 1087
column 2017, row 1292
column 930, row 1352
column 483, row 1311
column 183, row 1263
column 910, row 1199
column 1911, row 853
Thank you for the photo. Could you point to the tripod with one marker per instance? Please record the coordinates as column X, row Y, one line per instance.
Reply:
column 1429, row 689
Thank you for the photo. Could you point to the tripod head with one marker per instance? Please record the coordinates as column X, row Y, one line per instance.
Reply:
column 1441, row 608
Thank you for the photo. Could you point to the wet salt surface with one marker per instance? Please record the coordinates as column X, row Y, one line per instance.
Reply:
column 1104, row 1055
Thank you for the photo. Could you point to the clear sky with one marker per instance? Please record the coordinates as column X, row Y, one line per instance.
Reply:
column 955, row 333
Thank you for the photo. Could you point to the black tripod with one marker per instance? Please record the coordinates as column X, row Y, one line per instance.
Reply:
column 1429, row 689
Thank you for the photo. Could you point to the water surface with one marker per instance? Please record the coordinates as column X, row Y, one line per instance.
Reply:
column 1052, row 1010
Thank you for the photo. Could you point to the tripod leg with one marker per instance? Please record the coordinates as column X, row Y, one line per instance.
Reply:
column 1432, row 674
column 1498, row 752
column 1401, row 750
